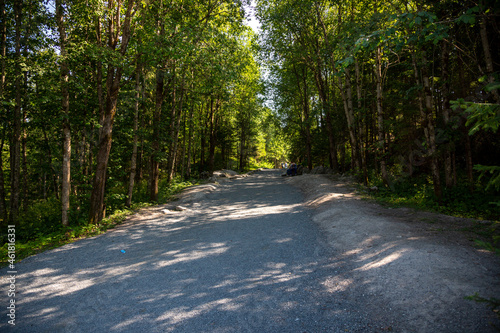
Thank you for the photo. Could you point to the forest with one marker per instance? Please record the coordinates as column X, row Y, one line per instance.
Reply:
column 112, row 104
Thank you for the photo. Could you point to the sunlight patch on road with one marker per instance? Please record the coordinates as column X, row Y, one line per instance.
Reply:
column 336, row 284
column 183, row 313
column 329, row 197
column 201, row 252
column 385, row 260
column 243, row 211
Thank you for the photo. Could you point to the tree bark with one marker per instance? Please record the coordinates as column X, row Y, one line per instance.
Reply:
column 380, row 117
column 154, row 173
column 431, row 133
column 3, row 53
column 174, row 133
column 323, row 95
column 304, row 96
column 15, row 153
column 190, row 140
column 113, row 80
column 487, row 57
column 133, row 161
column 349, row 113
column 64, row 75
column 362, row 150
column 3, row 204
column 448, row 163
column 213, row 139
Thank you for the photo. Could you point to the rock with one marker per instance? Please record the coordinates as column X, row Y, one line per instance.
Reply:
column 180, row 208
column 318, row 170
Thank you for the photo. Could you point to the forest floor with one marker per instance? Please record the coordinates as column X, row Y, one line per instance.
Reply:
column 419, row 265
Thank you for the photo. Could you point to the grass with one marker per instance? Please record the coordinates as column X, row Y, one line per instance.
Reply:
column 40, row 227
column 458, row 201
column 418, row 193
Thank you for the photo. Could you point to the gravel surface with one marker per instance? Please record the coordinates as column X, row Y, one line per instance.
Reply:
column 248, row 256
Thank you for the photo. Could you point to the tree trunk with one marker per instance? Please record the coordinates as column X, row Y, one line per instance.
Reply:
column 133, row 161
column 113, row 80
column 213, row 128
column 323, row 95
column 155, row 145
column 15, row 153
column 304, row 97
column 380, row 117
column 487, row 57
column 242, row 149
column 140, row 154
column 448, row 163
column 174, row 133
column 431, row 133
column 3, row 51
column 64, row 74
column 190, row 140
column 362, row 150
column 349, row 113
column 307, row 122
column 468, row 159
column 49, row 157
column 203, row 141
column 24, row 155
column 3, row 204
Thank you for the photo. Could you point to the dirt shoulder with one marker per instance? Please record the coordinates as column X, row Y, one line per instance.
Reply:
column 417, row 266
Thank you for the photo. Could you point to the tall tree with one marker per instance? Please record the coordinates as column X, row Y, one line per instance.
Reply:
column 15, row 153
column 66, row 167
column 119, row 32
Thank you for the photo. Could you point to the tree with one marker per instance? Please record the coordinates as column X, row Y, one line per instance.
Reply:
column 118, row 34
column 66, row 169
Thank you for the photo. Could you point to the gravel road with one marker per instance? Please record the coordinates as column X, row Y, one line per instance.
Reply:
column 246, row 258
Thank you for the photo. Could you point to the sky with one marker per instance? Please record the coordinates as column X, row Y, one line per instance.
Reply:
column 253, row 22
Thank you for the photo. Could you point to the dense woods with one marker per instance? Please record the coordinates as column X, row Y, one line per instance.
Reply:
column 401, row 93
column 107, row 103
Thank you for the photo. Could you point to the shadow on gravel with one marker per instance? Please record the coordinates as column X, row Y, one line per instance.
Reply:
column 235, row 263
column 247, row 259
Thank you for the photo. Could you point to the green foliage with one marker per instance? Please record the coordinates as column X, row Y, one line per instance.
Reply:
column 480, row 116
column 492, row 303
column 46, row 240
column 40, row 226
column 43, row 217
column 486, row 117
column 457, row 201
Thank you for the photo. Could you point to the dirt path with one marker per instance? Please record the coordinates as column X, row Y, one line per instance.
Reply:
column 249, row 256
column 417, row 267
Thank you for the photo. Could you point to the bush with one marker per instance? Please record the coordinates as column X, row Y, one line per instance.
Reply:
column 41, row 218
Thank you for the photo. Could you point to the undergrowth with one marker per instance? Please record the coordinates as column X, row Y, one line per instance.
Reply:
column 460, row 201
column 40, row 226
